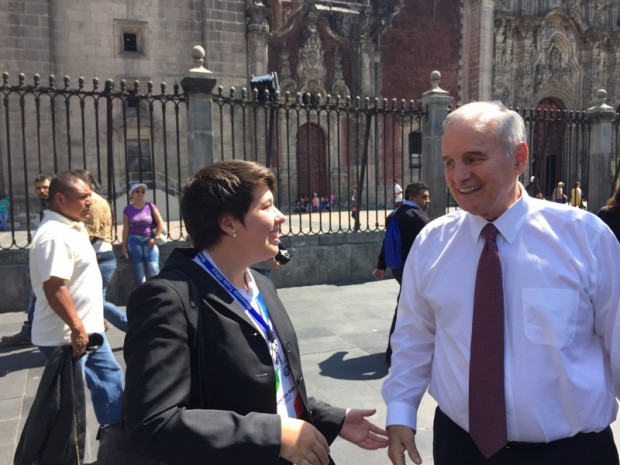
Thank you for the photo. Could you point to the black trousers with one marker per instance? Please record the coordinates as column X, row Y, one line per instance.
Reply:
column 452, row 445
column 398, row 275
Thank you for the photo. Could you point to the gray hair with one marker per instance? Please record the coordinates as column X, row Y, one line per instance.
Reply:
column 507, row 125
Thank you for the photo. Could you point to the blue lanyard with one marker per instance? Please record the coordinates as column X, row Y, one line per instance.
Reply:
column 261, row 318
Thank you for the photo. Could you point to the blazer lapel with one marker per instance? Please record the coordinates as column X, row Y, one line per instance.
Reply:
column 279, row 318
column 211, row 290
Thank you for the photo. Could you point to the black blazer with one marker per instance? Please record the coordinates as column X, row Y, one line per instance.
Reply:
column 229, row 415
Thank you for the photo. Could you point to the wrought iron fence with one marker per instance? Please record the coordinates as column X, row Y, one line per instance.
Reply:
column 559, row 143
column 120, row 136
column 318, row 147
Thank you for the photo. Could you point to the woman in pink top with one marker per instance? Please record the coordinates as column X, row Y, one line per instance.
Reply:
column 142, row 226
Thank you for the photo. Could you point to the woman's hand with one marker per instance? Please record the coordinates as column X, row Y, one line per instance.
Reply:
column 124, row 250
column 302, row 443
column 151, row 242
column 361, row 432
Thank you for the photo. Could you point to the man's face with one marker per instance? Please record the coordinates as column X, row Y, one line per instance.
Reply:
column 42, row 189
column 480, row 176
column 423, row 199
column 76, row 204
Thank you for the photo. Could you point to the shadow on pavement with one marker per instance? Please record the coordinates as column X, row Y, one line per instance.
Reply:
column 12, row 359
column 370, row 366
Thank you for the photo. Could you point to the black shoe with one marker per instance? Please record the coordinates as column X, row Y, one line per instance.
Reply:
column 19, row 339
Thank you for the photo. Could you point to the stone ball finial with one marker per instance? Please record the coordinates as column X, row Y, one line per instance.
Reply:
column 198, row 54
column 435, row 78
column 199, row 69
column 600, row 104
column 601, row 96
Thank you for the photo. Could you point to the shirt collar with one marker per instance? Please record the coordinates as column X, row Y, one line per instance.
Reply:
column 252, row 287
column 49, row 215
column 252, row 291
column 508, row 224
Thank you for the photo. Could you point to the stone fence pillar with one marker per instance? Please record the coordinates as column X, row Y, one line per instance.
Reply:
column 258, row 38
column 198, row 85
column 436, row 101
column 600, row 173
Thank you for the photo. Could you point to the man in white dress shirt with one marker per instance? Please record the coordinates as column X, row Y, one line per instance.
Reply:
column 560, row 269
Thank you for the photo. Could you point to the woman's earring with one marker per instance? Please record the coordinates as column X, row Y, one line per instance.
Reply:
column 234, row 233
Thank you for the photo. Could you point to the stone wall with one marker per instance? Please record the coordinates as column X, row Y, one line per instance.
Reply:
column 319, row 259
column 416, row 36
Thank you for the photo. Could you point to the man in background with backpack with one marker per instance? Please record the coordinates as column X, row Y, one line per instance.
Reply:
column 402, row 227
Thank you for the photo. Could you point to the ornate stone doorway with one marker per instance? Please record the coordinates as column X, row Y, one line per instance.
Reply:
column 548, row 143
column 312, row 161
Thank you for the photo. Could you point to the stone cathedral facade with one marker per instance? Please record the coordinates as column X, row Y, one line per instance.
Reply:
column 519, row 51
column 554, row 53
column 527, row 53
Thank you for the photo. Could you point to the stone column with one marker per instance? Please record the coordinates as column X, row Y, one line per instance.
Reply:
column 436, row 102
column 258, row 39
column 600, row 175
column 198, row 84
column 366, row 67
column 487, row 31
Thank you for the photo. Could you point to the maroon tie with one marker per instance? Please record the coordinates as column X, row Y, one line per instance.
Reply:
column 487, row 405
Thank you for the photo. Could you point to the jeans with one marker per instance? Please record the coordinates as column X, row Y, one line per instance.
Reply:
column 111, row 312
column 104, row 379
column 144, row 259
column 4, row 217
column 27, row 326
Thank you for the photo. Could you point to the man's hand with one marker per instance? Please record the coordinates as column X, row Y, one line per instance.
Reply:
column 302, row 443
column 378, row 274
column 361, row 432
column 400, row 439
column 79, row 341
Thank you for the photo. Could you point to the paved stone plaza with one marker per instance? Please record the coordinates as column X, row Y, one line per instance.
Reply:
column 342, row 332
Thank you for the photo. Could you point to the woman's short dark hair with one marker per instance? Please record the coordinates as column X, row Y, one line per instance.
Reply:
column 222, row 188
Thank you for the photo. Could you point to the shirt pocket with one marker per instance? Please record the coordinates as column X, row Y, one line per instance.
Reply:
column 550, row 316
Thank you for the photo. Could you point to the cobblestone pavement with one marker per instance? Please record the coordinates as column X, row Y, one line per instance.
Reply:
column 342, row 332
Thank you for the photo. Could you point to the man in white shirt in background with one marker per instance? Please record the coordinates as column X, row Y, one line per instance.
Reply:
column 560, row 310
column 398, row 194
column 67, row 283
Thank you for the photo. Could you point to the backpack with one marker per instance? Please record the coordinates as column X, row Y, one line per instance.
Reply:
column 393, row 244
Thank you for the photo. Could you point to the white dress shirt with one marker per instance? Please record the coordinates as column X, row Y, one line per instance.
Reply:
column 561, row 276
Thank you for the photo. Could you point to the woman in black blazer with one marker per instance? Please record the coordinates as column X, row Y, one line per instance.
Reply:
column 222, row 384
